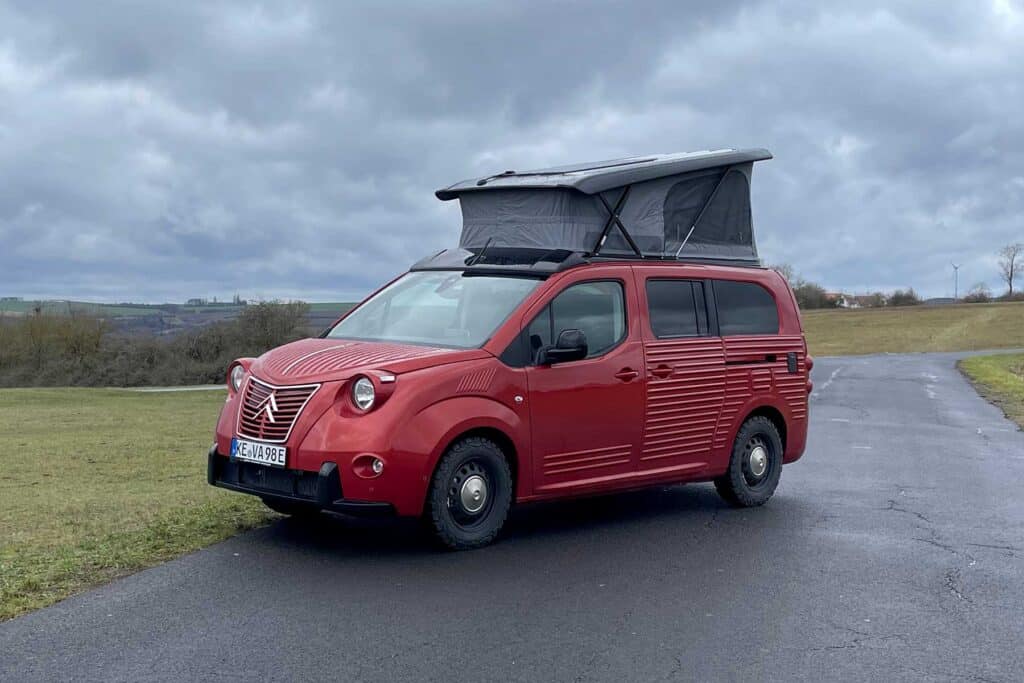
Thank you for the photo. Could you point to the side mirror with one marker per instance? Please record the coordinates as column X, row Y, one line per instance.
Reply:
column 570, row 345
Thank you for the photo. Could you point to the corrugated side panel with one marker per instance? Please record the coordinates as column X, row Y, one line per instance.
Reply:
column 578, row 462
column 758, row 377
column 683, row 408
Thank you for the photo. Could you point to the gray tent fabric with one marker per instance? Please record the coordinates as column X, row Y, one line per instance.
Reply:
column 724, row 229
column 684, row 202
column 702, row 214
column 549, row 219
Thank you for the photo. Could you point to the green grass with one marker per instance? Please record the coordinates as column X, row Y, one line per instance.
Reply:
column 98, row 483
column 962, row 327
column 1000, row 379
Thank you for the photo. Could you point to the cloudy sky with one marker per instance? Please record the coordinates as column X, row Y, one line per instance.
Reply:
column 163, row 150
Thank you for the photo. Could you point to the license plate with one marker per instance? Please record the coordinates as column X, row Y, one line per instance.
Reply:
column 262, row 453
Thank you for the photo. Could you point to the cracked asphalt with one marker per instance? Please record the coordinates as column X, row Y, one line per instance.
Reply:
column 893, row 551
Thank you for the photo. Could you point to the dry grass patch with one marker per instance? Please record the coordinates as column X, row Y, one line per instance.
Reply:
column 962, row 327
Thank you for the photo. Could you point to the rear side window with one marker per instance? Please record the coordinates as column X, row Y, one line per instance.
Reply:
column 596, row 308
column 745, row 308
column 676, row 308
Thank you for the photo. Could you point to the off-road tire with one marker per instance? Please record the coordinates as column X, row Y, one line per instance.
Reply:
column 287, row 507
column 450, row 524
column 735, row 486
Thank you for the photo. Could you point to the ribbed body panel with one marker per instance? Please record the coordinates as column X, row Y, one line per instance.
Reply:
column 578, row 462
column 682, row 407
column 345, row 355
column 749, row 373
column 476, row 382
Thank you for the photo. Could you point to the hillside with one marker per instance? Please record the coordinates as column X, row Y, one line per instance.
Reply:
column 961, row 327
column 163, row 319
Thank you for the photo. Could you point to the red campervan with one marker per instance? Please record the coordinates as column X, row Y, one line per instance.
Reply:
column 491, row 375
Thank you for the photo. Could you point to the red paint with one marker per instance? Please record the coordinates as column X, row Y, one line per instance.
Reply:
column 649, row 411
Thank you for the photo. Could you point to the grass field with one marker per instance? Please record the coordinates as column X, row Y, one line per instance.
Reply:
column 97, row 483
column 963, row 327
column 1000, row 379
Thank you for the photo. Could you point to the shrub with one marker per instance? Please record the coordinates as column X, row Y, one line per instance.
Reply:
column 873, row 300
column 904, row 297
column 810, row 295
column 46, row 349
column 979, row 294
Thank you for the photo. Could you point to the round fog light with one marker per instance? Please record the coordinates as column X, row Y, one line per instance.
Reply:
column 377, row 466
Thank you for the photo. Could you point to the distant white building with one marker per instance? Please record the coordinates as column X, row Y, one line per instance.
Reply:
column 842, row 300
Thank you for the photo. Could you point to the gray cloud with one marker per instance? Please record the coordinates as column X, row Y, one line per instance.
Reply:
column 171, row 149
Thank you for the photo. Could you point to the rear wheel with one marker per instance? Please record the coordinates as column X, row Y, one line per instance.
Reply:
column 755, row 465
column 470, row 494
column 292, row 509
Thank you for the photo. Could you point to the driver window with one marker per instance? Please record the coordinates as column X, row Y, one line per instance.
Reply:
column 596, row 308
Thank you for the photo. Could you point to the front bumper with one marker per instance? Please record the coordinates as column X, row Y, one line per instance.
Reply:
column 321, row 489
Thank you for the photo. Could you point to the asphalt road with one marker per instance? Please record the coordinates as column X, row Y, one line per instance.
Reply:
column 893, row 551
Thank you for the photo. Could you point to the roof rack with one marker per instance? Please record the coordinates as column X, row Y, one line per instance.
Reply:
column 542, row 262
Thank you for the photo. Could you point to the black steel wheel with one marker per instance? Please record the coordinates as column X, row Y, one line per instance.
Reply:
column 755, row 465
column 470, row 494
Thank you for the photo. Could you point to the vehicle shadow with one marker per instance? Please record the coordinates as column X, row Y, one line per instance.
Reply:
column 691, row 510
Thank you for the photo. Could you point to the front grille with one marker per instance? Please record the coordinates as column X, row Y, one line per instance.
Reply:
column 268, row 413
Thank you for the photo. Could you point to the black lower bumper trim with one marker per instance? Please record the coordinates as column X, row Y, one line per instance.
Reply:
column 321, row 489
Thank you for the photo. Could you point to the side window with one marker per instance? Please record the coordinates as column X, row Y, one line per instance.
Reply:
column 596, row 308
column 677, row 308
column 745, row 308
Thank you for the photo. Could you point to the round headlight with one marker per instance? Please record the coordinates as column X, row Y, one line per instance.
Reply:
column 363, row 393
column 237, row 375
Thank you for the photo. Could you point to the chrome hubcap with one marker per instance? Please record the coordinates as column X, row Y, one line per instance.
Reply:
column 473, row 494
column 758, row 461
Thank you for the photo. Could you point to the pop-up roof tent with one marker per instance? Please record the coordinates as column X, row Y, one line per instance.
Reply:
column 693, row 206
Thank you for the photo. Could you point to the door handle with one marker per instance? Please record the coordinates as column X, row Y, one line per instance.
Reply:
column 662, row 371
column 627, row 374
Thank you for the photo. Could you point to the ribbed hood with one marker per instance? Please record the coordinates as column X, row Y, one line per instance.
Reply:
column 318, row 360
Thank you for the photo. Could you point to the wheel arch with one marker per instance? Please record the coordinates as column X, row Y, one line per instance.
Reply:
column 777, row 418
column 431, row 432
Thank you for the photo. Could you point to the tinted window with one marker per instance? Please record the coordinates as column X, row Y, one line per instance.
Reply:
column 596, row 308
column 745, row 308
column 676, row 308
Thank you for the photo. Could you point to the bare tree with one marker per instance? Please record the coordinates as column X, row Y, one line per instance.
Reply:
column 1010, row 258
column 786, row 271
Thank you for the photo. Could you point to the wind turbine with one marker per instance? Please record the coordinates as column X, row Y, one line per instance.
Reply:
column 956, row 281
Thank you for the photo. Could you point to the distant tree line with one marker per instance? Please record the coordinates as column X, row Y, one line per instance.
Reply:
column 81, row 349
column 810, row 295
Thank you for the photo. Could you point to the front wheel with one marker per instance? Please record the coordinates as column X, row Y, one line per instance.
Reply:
column 470, row 494
column 755, row 465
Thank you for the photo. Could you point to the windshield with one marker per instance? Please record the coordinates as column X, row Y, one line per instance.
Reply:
column 437, row 308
